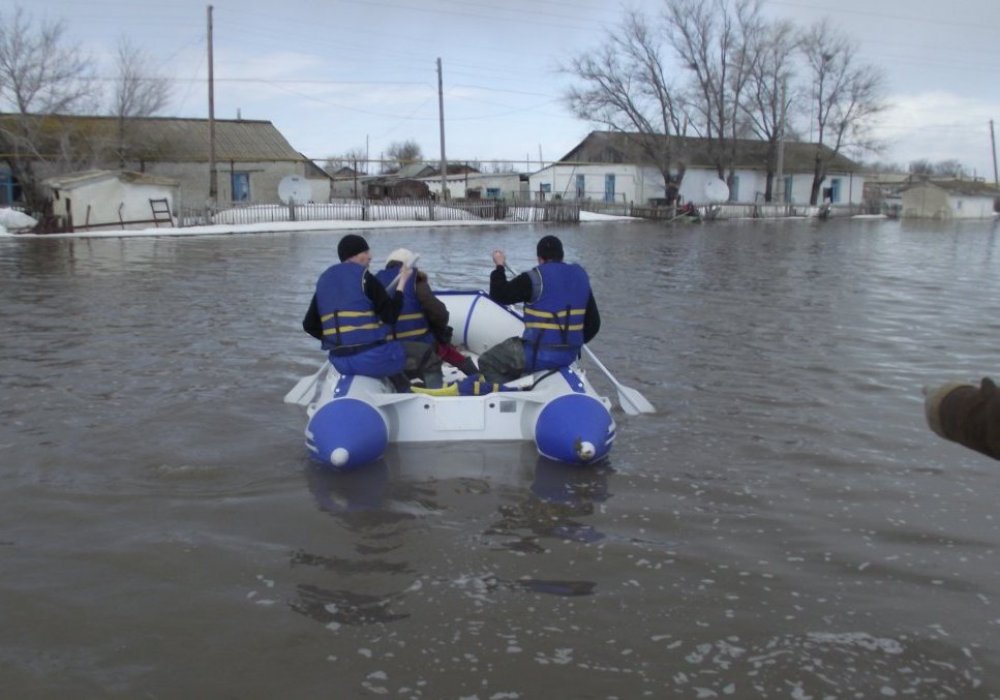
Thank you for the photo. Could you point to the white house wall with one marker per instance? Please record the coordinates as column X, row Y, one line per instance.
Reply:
column 509, row 184
column 971, row 207
column 264, row 179
column 103, row 198
column 561, row 180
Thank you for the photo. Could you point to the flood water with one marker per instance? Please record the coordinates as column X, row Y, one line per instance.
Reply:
column 785, row 526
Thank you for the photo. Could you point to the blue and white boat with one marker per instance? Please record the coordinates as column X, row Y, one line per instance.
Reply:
column 353, row 418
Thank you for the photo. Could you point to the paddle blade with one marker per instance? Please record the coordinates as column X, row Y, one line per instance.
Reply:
column 632, row 402
column 305, row 389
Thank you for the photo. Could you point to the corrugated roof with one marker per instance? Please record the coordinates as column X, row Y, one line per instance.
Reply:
column 71, row 180
column 178, row 139
column 620, row 147
column 969, row 188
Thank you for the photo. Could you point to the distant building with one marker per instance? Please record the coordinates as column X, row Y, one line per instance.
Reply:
column 949, row 199
column 611, row 167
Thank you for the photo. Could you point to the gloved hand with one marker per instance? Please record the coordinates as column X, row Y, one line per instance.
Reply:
column 444, row 335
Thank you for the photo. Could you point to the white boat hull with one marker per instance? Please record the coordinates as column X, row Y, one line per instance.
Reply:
column 355, row 417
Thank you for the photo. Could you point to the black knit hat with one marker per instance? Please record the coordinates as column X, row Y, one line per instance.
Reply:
column 550, row 248
column 350, row 245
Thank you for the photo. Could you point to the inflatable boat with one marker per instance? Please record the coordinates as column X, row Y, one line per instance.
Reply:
column 353, row 418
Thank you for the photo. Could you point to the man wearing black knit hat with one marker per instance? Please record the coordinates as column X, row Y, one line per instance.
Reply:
column 560, row 314
column 351, row 314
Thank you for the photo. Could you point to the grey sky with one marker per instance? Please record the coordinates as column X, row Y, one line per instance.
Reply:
column 344, row 74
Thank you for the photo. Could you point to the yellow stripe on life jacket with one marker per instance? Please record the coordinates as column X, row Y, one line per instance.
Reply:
column 556, row 321
column 348, row 314
column 348, row 329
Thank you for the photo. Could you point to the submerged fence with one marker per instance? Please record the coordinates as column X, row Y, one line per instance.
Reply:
column 384, row 210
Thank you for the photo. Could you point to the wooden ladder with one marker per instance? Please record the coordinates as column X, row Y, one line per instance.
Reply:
column 161, row 211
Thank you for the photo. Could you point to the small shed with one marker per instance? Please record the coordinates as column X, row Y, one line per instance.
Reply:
column 949, row 199
column 120, row 199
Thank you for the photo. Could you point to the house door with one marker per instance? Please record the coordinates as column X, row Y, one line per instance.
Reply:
column 834, row 190
column 6, row 187
column 581, row 188
column 241, row 186
column 609, row 188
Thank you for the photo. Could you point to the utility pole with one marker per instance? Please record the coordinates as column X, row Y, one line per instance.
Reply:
column 213, row 181
column 444, row 162
column 993, row 140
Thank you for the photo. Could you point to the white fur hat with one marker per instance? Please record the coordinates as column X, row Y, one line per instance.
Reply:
column 401, row 255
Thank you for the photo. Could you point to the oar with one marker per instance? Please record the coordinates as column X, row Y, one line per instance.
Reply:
column 631, row 400
column 305, row 389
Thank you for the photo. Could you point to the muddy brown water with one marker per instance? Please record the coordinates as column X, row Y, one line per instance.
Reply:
column 784, row 526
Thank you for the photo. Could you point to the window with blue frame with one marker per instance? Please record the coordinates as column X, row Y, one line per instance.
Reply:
column 492, row 193
column 8, row 192
column 241, row 186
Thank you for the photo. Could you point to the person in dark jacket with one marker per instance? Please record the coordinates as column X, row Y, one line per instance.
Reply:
column 560, row 314
column 422, row 321
column 423, row 325
column 351, row 314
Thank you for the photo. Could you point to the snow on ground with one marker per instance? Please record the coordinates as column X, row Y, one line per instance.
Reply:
column 295, row 226
column 12, row 220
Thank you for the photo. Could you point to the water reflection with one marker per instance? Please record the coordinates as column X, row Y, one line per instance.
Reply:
column 552, row 501
column 559, row 500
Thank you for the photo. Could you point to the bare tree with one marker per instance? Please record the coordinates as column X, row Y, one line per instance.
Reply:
column 41, row 76
column 354, row 158
column 950, row 168
column 404, row 152
column 138, row 92
column 718, row 42
column 624, row 87
column 624, row 84
column 845, row 97
column 766, row 100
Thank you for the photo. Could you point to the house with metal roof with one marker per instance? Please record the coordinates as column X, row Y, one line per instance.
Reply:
column 251, row 156
column 612, row 167
column 945, row 200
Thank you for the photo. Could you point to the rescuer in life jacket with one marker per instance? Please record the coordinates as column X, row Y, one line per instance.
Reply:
column 560, row 314
column 422, row 322
column 351, row 313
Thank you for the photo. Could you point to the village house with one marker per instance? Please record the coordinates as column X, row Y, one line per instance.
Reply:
column 510, row 186
column 949, row 199
column 251, row 156
column 610, row 167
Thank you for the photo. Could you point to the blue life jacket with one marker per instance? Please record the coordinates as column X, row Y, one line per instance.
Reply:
column 349, row 321
column 412, row 324
column 553, row 321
